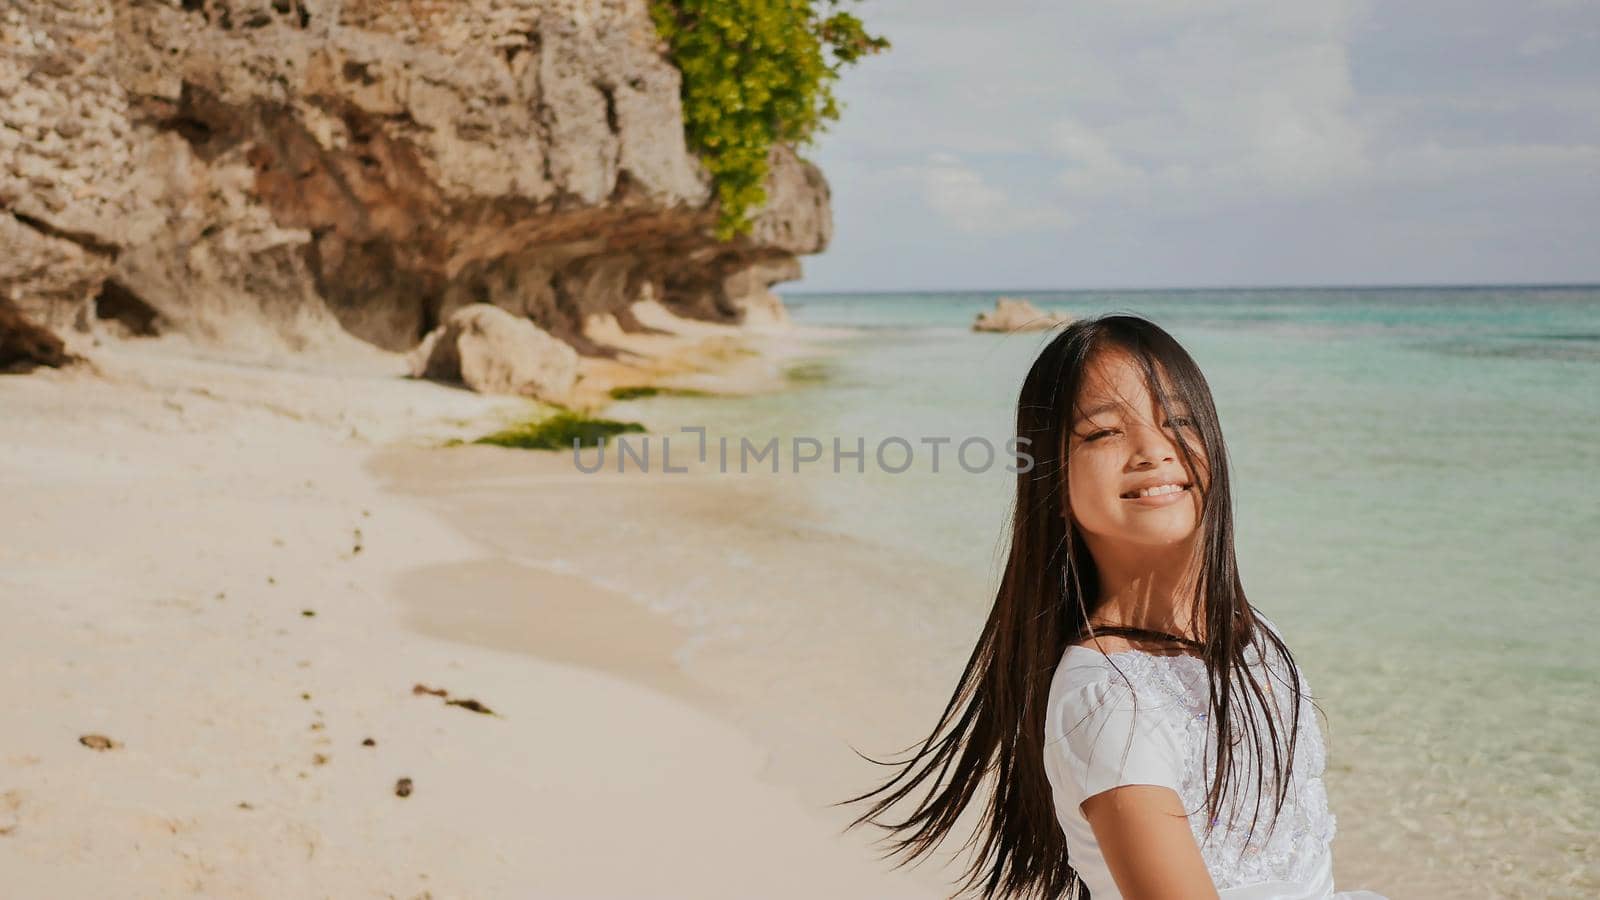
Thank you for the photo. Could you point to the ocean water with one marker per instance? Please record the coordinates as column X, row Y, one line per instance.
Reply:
column 1416, row 505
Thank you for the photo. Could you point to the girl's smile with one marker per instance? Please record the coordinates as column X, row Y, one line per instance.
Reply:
column 1166, row 496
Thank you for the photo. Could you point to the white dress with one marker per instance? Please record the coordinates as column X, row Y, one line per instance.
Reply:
column 1102, row 731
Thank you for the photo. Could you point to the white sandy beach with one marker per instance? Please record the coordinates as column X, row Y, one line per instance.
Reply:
column 202, row 562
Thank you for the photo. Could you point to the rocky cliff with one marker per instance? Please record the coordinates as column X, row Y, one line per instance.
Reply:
column 291, row 173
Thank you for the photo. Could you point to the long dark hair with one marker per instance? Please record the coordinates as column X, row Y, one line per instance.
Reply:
column 1048, row 591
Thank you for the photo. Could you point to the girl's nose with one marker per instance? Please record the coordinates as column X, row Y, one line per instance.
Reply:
column 1152, row 444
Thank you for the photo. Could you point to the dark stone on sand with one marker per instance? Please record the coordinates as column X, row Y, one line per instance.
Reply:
column 473, row 705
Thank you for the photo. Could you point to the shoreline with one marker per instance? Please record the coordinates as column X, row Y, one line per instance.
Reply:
column 202, row 566
column 689, row 354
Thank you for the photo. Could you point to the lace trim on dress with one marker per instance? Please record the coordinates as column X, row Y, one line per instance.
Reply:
column 1293, row 847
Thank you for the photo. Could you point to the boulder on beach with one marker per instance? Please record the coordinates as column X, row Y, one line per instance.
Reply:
column 1017, row 314
column 495, row 352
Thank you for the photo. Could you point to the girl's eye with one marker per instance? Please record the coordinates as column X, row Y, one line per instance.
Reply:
column 1099, row 434
column 1181, row 420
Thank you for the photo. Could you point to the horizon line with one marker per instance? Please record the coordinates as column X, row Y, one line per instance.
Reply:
column 1462, row 285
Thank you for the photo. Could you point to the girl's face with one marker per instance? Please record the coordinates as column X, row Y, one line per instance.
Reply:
column 1119, row 442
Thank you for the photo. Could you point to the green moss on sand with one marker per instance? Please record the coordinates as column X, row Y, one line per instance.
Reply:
column 634, row 392
column 557, row 432
column 809, row 373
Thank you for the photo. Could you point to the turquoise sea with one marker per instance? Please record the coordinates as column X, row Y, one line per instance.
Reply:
column 1416, row 502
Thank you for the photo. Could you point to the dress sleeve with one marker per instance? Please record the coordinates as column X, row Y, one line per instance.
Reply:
column 1115, row 737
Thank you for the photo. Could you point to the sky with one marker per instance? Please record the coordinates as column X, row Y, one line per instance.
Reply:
column 1205, row 143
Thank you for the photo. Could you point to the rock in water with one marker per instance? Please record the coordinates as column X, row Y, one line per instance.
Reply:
column 1016, row 314
column 495, row 352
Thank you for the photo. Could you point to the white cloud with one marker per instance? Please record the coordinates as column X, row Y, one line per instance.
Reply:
column 1434, row 163
column 962, row 197
column 1293, row 131
column 1248, row 102
column 1093, row 168
column 1540, row 44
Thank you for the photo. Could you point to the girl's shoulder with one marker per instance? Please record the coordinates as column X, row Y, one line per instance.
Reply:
column 1088, row 675
column 1262, row 653
column 1087, row 679
column 1115, row 719
column 1085, row 663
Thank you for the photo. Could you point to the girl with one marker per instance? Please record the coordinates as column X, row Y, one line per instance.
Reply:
column 1148, row 730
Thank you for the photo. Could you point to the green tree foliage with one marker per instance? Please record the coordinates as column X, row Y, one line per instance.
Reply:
column 755, row 73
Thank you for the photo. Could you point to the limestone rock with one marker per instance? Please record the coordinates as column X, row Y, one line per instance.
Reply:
column 25, row 346
column 749, row 289
column 294, row 174
column 494, row 352
column 1017, row 314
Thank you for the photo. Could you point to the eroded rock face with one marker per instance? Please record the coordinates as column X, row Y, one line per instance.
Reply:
column 25, row 346
column 293, row 172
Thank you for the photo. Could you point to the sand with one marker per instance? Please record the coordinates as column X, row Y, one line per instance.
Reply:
column 233, row 572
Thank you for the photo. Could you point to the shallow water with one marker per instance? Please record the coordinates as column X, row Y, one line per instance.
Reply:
column 1415, row 505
